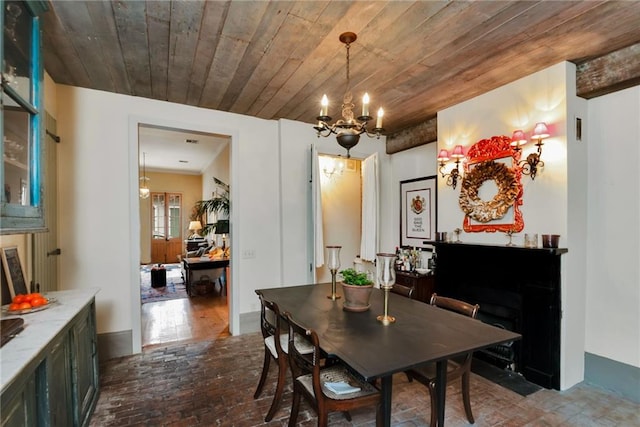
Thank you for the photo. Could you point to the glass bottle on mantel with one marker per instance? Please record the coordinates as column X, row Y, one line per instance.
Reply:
column 433, row 261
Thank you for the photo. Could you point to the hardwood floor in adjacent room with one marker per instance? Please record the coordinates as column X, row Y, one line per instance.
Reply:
column 198, row 318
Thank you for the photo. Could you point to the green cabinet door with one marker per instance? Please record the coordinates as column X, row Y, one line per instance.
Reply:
column 85, row 372
column 58, row 385
column 19, row 404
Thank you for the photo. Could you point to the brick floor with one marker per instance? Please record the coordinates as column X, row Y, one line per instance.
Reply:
column 212, row 384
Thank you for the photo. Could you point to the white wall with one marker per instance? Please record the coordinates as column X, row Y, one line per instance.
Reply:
column 416, row 162
column 518, row 105
column 613, row 267
column 547, row 96
column 99, row 221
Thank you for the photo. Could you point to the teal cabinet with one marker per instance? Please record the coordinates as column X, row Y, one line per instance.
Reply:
column 21, row 170
column 57, row 391
column 19, row 404
column 60, row 387
column 85, row 367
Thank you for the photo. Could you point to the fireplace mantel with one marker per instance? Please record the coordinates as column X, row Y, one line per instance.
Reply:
column 516, row 287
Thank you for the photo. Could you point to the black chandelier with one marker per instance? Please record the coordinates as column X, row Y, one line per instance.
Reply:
column 348, row 129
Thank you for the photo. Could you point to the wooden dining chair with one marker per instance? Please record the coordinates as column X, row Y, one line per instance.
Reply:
column 405, row 291
column 458, row 368
column 310, row 378
column 276, row 347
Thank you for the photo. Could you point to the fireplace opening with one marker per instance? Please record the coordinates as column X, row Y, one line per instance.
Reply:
column 504, row 356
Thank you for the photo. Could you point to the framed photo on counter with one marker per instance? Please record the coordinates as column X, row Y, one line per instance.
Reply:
column 13, row 271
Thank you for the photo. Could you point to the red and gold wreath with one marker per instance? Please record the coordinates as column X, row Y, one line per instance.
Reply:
column 508, row 190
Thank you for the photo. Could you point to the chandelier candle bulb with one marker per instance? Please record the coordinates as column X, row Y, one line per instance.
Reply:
column 379, row 121
column 325, row 106
column 365, row 105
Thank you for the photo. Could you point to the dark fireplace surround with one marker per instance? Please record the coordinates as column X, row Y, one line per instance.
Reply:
column 517, row 288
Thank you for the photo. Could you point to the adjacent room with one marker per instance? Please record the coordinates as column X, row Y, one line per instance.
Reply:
column 383, row 213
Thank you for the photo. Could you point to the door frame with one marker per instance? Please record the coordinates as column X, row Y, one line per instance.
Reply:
column 134, row 218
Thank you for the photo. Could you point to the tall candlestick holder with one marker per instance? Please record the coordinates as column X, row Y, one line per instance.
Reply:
column 386, row 274
column 333, row 263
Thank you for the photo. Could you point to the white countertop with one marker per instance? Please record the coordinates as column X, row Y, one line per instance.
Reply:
column 39, row 329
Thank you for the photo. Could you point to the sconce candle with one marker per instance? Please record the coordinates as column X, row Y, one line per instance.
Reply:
column 518, row 139
column 533, row 161
column 443, row 158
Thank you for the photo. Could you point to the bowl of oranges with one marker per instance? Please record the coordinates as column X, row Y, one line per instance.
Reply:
column 28, row 303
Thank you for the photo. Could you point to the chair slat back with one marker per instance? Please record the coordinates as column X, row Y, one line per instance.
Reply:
column 270, row 321
column 405, row 291
column 302, row 364
column 455, row 305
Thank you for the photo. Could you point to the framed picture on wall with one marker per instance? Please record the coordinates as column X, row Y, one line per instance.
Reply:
column 418, row 212
column 13, row 271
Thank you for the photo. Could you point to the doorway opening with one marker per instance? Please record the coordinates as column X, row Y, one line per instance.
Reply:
column 341, row 194
column 180, row 167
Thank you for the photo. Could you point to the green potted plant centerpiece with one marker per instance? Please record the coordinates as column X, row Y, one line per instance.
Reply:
column 356, row 287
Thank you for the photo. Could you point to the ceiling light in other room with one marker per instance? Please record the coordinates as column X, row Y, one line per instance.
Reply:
column 348, row 129
column 144, row 189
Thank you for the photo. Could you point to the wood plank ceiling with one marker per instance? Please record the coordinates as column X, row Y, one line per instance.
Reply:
column 275, row 59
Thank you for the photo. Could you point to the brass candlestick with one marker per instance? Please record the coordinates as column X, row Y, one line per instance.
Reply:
column 333, row 263
column 386, row 274
column 385, row 319
column 333, row 295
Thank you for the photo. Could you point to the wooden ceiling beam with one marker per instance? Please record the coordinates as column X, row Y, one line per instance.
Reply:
column 415, row 136
column 609, row 73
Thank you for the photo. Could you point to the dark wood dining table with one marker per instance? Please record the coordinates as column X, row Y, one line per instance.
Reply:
column 421, row 334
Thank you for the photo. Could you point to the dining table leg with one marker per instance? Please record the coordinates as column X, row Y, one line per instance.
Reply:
column 387, row 385
column 441, row 389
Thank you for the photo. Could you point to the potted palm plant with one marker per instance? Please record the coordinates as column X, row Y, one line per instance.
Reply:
column 356, row 287
column 218, row 204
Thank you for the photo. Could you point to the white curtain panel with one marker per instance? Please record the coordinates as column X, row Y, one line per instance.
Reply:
column 370, row 195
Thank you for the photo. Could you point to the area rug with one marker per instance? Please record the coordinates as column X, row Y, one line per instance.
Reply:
column 175, row 285
column 507, row 379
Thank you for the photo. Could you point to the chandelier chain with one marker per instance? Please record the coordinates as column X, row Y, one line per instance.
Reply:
column 348, row 79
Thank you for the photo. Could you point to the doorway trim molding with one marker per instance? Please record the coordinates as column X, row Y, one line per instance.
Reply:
column 134, row 216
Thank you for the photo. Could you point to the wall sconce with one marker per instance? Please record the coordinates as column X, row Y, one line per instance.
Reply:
column 530, row 165
column 443, row 158
column 333, row 167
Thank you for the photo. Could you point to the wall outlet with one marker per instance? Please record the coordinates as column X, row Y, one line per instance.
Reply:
column 248, row 253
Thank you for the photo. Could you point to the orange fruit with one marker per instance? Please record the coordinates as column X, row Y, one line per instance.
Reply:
column 14, row 306
column 20, row 298
column 24, row 306
column 33, row 295
column 38, row 302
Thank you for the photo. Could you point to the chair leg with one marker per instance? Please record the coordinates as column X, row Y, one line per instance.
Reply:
column 295, row 407
column 282, row 377
column 347, row 415
column 409, row 376
column 265, row 371
column 466, row 398
column 323, row 419
column 434, row 407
